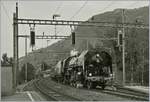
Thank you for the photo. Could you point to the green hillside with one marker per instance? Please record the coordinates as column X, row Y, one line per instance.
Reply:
column 137, row 41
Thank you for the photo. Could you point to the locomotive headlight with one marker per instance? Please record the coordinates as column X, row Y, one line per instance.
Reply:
column 111, row 75
column 79, row 73
column 90, row 74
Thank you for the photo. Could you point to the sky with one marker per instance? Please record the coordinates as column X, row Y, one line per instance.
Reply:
column 68, row 10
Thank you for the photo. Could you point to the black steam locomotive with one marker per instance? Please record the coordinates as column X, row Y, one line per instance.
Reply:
column 89, row 69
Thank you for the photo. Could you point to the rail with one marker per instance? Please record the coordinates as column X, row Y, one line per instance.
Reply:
column 53, row 94
column 125, row 93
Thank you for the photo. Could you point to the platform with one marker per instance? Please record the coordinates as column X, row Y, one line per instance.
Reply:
column 21, row 95
column 16, row 97
column 24, row 96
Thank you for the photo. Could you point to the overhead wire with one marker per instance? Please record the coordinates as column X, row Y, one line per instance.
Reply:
column 5, row 10
column 9, row 26
column 58, row 7
column 76, row 13
column 9, row 20
column 106, row 7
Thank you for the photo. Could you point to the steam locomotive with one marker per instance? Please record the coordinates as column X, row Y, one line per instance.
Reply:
column 89, row 69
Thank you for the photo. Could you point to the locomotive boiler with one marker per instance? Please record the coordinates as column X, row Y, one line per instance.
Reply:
column 89, row 69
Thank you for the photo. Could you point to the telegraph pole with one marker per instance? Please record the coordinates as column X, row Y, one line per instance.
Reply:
column 17, row 51
column 26, row 68
column 17, row 69
column 123, row 48
column 14, row 51
column 15, row 47
column 143, row 67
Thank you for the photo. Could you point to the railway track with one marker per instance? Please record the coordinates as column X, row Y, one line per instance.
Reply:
column 45, row 88
column 51, row 93
column 130, row 94
column 123, row 92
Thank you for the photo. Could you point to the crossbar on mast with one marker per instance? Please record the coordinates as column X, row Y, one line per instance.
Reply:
column 80, row 23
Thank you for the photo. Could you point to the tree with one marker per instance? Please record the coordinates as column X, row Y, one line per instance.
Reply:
column 6, row 60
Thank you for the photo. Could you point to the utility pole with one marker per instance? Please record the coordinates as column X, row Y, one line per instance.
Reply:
column 123, row 48
column 17, row 69
column 14, row 51
column 132, row 62
column 26, row 68
column 143, row 67
column 15, row 48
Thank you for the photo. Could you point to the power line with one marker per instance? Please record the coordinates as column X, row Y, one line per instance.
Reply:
column 85, row 5
column 5, row 10
column 58, row 7
column 9, row 20
column 77, row 12
column 107, row 6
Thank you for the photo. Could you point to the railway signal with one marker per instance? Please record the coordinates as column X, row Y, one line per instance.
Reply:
column 32, row 38
column 120, row 38
column 73, row 38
